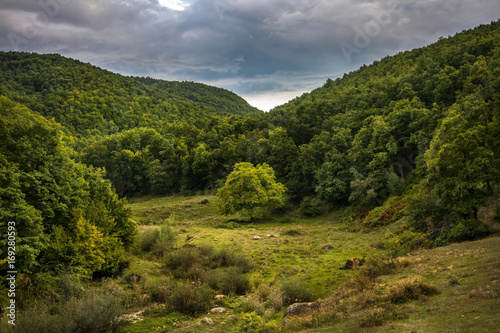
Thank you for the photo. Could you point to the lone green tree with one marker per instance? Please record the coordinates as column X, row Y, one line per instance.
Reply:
column 249, row 188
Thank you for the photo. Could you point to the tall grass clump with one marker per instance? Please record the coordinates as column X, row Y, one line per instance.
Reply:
column 293, row 290
column 158, row 241
column 191, row 298
column 91, row 313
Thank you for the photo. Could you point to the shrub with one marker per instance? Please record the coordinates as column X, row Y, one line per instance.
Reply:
column 226, row 258
column 295, row 291
column 275, row 299
column 373, row 317
column 70, row 285
column 92, row 313
column 191, row 298
column 228, row 280
column 465, row 230
column 292, row 232
column 182, row 260
column 406, row 241
column 192, row 262
column 96, row 313
column 376, row 266
column 159, row 289
column 157, row 240
column 386, row 214
column 496, row 217
column 253, row 304
column 310, row 207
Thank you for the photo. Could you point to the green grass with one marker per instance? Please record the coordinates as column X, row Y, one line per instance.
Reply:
column 464, row 274
column 468, row 278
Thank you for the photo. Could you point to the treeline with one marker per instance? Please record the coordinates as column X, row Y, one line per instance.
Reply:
column 421, row 125
column 87, row 100
column 358, row 139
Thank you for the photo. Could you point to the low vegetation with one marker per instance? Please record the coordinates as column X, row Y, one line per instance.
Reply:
column 172, row 289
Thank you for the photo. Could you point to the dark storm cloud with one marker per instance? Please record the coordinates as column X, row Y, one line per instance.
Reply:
column 250, row 46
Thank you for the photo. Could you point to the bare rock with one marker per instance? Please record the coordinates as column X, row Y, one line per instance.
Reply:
column 220, row 297
column 207, row 321
column 256, row 238
column 218, row 309
column 298, row 309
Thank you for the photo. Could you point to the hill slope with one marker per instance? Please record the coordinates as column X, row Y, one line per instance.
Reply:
column 377, row 123
column 88, row 100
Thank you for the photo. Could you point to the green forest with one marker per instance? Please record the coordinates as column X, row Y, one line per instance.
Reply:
column 412, row 140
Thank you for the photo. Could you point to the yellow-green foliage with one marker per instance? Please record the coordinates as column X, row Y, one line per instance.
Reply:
column 385, row 214
column 248, row 188
column 67, row 216
column 403, row 242
column 85, row 247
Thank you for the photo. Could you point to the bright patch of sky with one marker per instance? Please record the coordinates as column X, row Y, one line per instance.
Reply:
column 178, row 5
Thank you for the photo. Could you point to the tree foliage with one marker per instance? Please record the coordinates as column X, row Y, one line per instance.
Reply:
column 425, row 119
column 67, row 216
column 248, row 188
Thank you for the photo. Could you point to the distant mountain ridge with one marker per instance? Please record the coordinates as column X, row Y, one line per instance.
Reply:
column 89, row 100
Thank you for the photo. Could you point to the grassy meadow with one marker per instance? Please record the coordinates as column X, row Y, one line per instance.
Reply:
column 448, row 289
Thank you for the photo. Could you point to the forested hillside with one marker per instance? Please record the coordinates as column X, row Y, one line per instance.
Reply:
column 88, row 100
column 421, row 127
column 411, row 141
column 358, row 140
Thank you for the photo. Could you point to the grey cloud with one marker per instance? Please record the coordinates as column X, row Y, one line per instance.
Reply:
column 248, row 46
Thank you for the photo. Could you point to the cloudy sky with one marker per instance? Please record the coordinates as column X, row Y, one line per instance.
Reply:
column 267, row 51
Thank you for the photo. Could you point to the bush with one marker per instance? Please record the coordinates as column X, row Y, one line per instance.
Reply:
column 295, row 291
column 158, row 240
column 192, row 262
column 226, row 258
column 377, row 266
column 253, row 304
column 159, row 289
column 310, row 207
column 92, row 313
column 191, row 298
column 465, row 230
column 390, row 212
column 373, row 317
column 406, row 241
column 70, row 285
column 292, row 232
column 96, row 313
column 275, row 299
column 496, row 217
column 228, row 280
column 187, row 262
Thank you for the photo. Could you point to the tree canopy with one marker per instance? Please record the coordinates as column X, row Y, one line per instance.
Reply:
column 249, row 188
column 66, row 214
column 425, row 119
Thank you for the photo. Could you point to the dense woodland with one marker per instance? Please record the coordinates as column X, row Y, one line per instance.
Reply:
column 415, row 134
